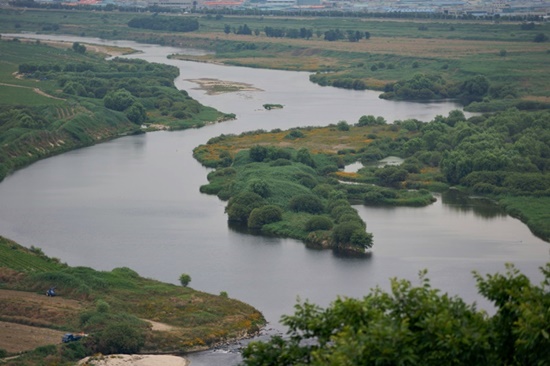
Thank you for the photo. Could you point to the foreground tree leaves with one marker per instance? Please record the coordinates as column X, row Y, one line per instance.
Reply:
column 417, row 325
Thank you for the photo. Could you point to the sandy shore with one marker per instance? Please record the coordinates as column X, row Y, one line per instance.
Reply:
column 134, row 360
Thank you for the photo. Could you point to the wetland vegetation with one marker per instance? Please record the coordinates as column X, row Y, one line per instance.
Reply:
column 284, row 183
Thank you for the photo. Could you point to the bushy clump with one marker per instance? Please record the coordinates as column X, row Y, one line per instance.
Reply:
column 318, row 223
column 306, row 203
column 241, row 205
column 260, row 187
column 351, row 233
column 264, row 215
column 340, row 211
column 119, row 338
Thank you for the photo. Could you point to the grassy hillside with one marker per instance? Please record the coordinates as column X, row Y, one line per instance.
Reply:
column 92, row 301
column 57, row 99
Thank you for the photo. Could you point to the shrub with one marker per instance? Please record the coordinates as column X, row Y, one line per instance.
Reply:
column 258, row 153
column 342, row 233
column 102, row 306
column 294, row 134
column 361, row 239
column 306, row 203
column 120, row 338
column 342, row 126
column 339, row 211
column 318, row 223
column 241, row 205
column 185, row 279
column 264, row 215
column 260, row 187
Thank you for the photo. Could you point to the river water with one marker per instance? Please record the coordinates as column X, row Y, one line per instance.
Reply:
column 135, row 202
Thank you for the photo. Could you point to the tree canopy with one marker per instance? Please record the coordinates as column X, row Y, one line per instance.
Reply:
column 418, row 325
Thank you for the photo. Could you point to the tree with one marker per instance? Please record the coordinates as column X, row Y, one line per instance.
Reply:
column 264, row 215
column 119, row 100
column 120, row 338
column 185, row 279
column 418, row 325
column 79, row 48
column 258, row 153
column 136, row 113
column 227, row 29
column 303, row 156
column 540, row 37
column 342, row 126
column 306, row 203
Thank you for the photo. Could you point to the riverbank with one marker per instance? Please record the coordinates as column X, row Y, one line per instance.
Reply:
column 112, row 307
column 134, row 360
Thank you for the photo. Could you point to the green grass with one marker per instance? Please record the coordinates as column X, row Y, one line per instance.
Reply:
column 22, row 259
column 10, row 95
column 531, row 210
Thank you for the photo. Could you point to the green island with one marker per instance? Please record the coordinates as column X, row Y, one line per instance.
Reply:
column 55, row 97
column 504, row 156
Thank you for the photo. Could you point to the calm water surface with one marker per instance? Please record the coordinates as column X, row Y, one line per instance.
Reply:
column 135, row 202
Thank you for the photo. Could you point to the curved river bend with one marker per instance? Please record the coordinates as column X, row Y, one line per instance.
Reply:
column 135, row 202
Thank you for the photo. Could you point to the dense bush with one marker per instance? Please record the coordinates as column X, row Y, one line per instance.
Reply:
column 260, row 187
column 306, row 203
column 264, row 215
column 119, row 338
column 351, row 233
column 241, row 205
column 318, row 223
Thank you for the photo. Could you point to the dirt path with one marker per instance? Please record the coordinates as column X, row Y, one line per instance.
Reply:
column 36, row 90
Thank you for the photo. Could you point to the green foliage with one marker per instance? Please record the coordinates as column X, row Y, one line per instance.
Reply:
column 303, row 156
column 79, row 48
column 352, row 233
column 418, row 325
column 318, row 223
column 370, row 120
column 419, row 87
column 307, row 203
column 342, row 126
column 118, row 338
column 185, row 279
column 241, row 205
column 258, row 153
column 264, row 215
column 172, row 24
column 260, row 187
column 391, row 175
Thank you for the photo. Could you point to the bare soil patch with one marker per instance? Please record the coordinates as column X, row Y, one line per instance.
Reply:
column 16, row 338
column 26, row 317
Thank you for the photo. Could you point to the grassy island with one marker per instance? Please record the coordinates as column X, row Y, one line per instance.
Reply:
column 505, row 156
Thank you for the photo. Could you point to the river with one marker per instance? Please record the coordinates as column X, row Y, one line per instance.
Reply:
column 135, row 202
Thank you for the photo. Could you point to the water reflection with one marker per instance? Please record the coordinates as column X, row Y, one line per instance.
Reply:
column 481, row 207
